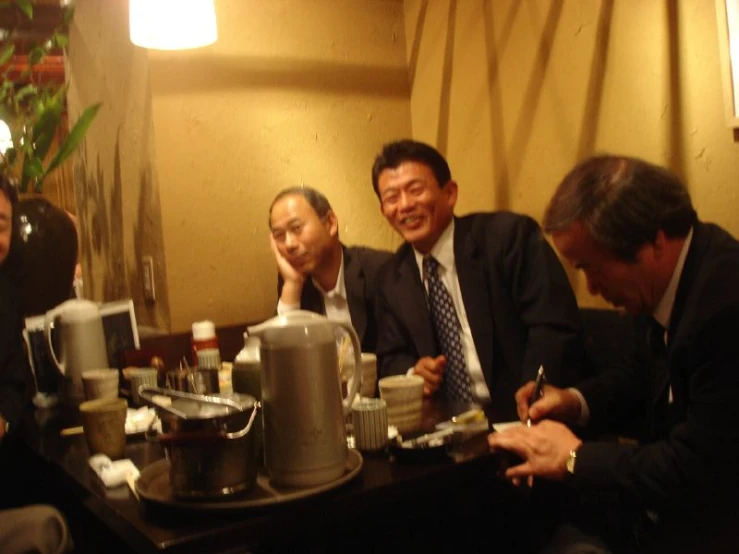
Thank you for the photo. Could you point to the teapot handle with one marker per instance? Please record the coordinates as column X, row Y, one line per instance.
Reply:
column 357, row 376
column 50, row 317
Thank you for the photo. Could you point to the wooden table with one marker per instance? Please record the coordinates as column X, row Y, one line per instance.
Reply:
column 387, row 499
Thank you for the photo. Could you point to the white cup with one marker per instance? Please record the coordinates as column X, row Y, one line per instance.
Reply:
column 369, row 417
column 141, row 376
column 100, row 383
column 404, row 397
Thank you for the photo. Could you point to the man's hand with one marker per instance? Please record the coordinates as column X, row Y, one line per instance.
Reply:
column 544, row 448
column 432, row 371
column 293, row 280
column 556, row 403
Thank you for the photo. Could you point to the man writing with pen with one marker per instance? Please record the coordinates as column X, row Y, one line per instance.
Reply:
column 472, row 304
column 631, row 228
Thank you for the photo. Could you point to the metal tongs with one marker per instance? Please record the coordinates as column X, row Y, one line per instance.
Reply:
column 147, row 392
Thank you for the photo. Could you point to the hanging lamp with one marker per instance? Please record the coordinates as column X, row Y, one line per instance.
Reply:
column 172, row 24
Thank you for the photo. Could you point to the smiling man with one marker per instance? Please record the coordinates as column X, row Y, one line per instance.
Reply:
column 472, row 304
column 317, row 272
column 631, row 228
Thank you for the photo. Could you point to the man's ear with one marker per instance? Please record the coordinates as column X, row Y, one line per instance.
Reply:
column 451, row 190
column 331, row 223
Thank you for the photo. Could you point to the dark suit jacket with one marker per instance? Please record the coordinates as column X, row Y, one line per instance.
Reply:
column 519, row 304
column 689, row 462
column 361, row 266
column 15, row 376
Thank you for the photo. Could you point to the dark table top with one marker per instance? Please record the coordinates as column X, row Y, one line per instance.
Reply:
column 149, row 527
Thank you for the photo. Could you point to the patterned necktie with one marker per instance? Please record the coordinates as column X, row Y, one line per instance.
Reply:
column 456, row 380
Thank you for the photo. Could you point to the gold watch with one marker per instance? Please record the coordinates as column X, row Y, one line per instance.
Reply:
column 570, row 463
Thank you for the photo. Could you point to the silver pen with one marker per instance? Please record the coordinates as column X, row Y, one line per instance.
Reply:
column 538, row 390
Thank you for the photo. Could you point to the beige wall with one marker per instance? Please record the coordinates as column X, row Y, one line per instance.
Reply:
column 190, row 147
column 515, row 92
column 293, row 92
column 115, row 174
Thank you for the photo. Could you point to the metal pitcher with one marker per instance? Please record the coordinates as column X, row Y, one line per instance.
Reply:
column 303, row 407
column 81, row 341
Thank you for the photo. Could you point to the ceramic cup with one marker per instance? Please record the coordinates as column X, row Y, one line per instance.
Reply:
column 104, row 424
column 141, row 376
column 100, row 383
column 404, row 397
column 369, row 417
column 369, row 374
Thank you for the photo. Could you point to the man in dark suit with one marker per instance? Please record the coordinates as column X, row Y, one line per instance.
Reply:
column 317, row 272
column 509, row 305
column 631, row 228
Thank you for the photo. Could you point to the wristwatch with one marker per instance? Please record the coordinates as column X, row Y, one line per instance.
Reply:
column 570, row 463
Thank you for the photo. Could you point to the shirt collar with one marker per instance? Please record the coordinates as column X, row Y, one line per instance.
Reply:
column 663, row 312
column 443, row 250
column 339, row 289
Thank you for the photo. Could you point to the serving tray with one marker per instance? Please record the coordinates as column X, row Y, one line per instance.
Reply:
column 153, row 486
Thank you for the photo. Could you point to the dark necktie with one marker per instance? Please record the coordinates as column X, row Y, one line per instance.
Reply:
column 656, row 338
column 660, row 378
column 446, row 324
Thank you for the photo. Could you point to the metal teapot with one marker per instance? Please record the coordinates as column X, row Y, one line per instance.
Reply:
column 81, row 342
column 303, row 407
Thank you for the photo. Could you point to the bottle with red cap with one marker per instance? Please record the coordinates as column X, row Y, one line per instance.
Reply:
column 205, row 345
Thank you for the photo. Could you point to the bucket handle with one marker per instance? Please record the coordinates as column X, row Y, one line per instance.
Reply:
column 200, row 436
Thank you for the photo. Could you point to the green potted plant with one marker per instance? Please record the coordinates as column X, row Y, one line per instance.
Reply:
column 34, row 110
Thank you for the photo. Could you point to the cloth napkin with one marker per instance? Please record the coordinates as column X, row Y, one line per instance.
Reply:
column 138, row 421
column 113, row 473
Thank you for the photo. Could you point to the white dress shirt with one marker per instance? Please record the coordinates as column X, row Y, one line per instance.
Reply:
column 443, row 252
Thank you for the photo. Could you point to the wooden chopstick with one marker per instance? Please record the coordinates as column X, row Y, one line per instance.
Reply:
column 71, row 431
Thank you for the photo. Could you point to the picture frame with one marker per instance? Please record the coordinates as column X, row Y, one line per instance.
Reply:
column 727, row 19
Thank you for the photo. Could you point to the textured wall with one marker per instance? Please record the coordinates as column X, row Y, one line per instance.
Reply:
column 115, row 174
column 293, row 92
column 516, row 92
column 190, row 147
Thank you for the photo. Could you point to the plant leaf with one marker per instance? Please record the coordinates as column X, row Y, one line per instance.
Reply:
column 60, row 40
column 6, row 52
column 45, row 129
column 35, row 55
column 26, row 7
column 32, row 170
column 25, row 91
column 74, row 138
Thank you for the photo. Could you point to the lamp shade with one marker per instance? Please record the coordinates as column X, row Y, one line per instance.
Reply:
column 172, row 24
